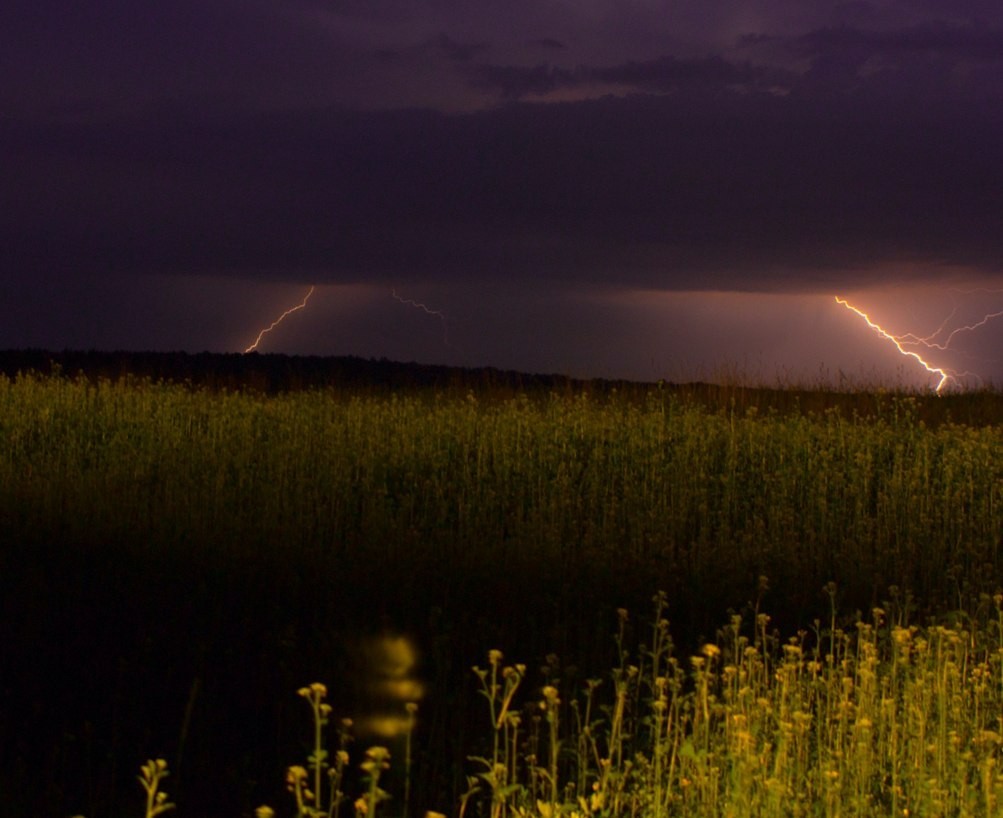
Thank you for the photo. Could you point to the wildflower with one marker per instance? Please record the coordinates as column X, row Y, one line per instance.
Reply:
column 377, row 759
column 295, row 776
column 494, row 657
column 314, row 692
column 264, row 811
column 154, row 769
column 595, row 801
column 802, row 720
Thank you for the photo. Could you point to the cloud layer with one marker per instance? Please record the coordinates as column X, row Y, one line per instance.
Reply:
column 608, row 146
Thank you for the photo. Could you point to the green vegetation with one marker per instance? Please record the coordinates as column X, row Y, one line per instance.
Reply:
column 249, row 535
column 889, row 719
column 712, row 497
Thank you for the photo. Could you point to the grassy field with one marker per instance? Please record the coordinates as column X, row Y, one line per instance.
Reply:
column 178, row 561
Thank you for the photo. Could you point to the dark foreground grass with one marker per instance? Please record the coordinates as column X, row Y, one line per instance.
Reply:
column 175, row 560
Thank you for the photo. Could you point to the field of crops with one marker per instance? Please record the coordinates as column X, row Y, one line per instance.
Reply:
column 177, row 561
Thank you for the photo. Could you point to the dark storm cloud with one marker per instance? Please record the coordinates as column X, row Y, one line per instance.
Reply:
column 661, row 191
column 669, row 72
column 118, row 56
column 516, row 82
column 957, row 42
column 958, row 61
column 960, row 42
column 298, row 140
column 658, row 75
column 460, row 52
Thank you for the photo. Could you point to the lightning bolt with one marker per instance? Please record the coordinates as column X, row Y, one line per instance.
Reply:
column 279, row 320
column 428, row 311
column 966, row 328
column 900, row 342
column 928, row 339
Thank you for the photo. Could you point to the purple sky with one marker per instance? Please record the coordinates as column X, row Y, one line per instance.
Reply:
column 639, row 188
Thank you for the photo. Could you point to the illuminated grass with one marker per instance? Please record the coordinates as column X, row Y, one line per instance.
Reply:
column 885, row 719
column 716, row 496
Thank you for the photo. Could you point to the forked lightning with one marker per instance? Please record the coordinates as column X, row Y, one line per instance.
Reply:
column 907, row 343
column 427, row 310
column 279, row 320
column 899, row 341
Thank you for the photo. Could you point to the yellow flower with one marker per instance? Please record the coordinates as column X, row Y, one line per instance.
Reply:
column 295, row 775
column 377, row 759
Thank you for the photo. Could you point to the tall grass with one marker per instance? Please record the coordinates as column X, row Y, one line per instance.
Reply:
column 452, row 512
column 716, row 497
column 886, row 718
column 883, row 718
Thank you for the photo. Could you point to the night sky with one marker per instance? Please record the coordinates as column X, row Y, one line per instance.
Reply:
column 631, row 188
